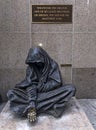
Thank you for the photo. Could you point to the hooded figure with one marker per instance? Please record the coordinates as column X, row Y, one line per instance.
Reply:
column 42, row 90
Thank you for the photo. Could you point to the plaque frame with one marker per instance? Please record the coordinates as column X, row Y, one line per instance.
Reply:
column 61, row 22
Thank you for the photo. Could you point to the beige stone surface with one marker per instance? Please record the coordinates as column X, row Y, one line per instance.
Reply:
column 66, row 72
column 13, row 52
column 81, row 16
column 13, row 49
column 58, row 45
column 15, row 28
column 92, row 16
column 85, row 81
column 85, row 16
column 52, row 2
column 73, row 118
column 52, row 28
column 84, row 50
column 14, row 15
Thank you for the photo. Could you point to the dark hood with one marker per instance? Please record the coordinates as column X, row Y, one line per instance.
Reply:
column 35, row 55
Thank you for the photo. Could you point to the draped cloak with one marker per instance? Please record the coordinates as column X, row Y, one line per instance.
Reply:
column 42, row 87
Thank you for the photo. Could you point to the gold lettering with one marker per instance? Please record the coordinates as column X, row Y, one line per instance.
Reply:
column 35, row 15
column 43, row 15
column 53, row 7
column 48, row 18
column 59, row 18
column 52, row 12
column 51, row 15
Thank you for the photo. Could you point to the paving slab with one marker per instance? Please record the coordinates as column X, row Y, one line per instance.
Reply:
column 89, row 107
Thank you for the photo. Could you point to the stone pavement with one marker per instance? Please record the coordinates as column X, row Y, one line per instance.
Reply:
column 73, row 118
column 89, row 107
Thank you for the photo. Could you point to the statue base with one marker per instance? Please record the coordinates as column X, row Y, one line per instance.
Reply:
column 73, row 118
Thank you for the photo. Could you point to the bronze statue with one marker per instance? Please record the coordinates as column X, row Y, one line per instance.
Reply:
column 42, row 90
column 0, row 99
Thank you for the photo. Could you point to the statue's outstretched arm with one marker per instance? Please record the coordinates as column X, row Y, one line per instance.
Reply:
column 32, row 97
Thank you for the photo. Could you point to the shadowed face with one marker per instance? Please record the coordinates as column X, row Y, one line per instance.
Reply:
column 35, row 57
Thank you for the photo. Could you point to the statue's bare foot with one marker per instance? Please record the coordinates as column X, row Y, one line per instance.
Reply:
column 32, row 115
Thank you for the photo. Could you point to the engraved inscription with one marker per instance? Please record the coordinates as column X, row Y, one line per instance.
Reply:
column 51, row 13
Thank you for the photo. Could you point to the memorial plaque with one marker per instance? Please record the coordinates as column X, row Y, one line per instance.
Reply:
column 52, row 14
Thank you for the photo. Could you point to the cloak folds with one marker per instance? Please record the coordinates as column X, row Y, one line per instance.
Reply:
column 42, row 87
column 0, row 99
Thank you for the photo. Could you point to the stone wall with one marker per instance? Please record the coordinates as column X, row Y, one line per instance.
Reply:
column 71, row 45
column 84, row 48
column 14, row 42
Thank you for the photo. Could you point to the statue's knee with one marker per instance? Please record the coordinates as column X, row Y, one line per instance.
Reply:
column 10, row 94
column 71, row 88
